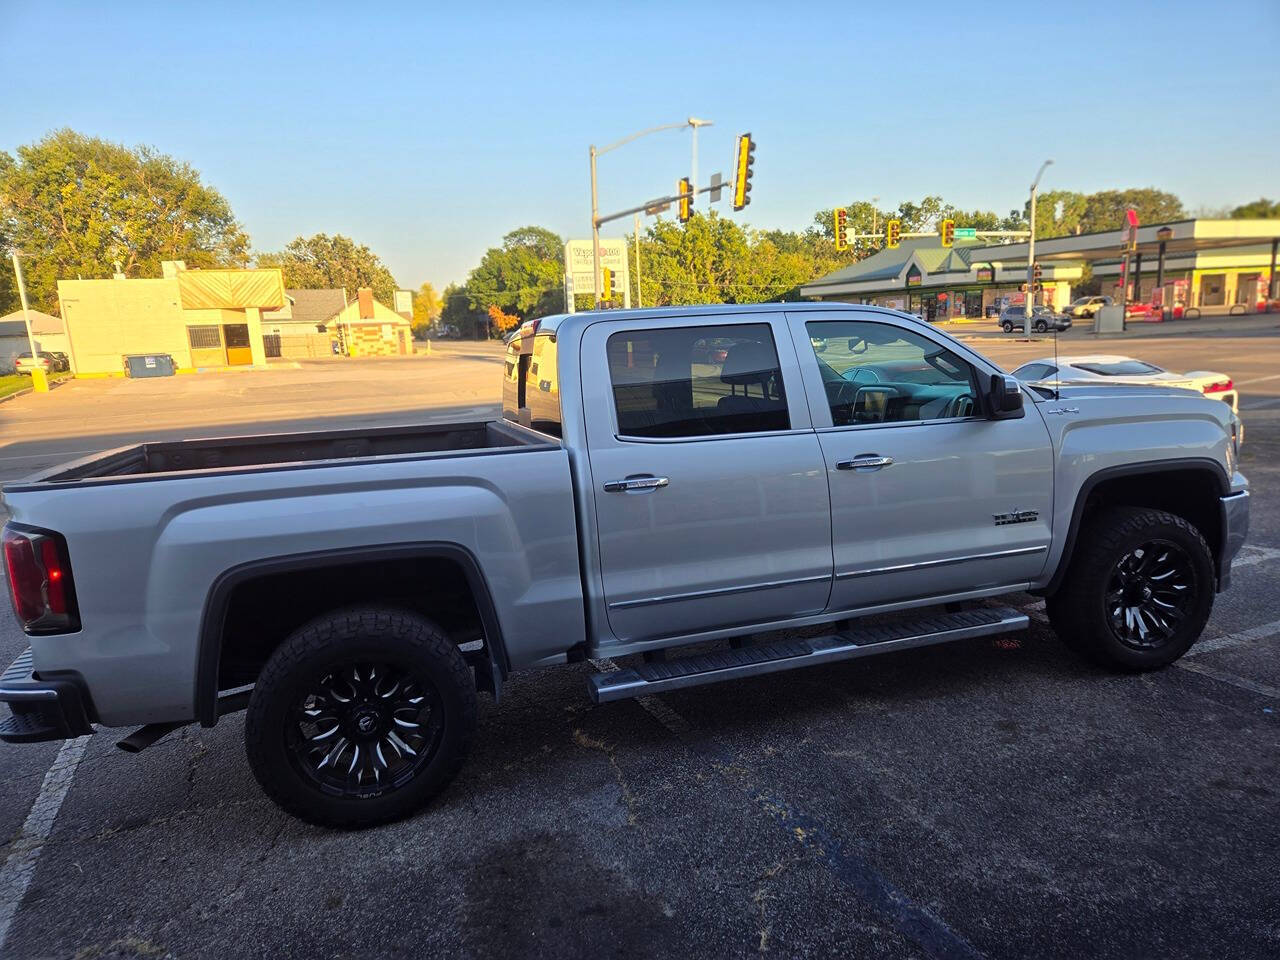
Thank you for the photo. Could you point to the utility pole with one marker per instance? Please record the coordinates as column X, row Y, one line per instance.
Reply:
column 595, row 235
column 39, row 383
column 639, row 295
column 695, row 123
column 874, row 211
column 1031, row 253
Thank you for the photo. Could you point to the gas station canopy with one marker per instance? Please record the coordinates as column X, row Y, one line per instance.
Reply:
column 1179, row 237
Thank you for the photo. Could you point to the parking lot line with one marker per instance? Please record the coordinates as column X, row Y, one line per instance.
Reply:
column 24, row 853
column 1242, row 683
column 1247, row 383
column 1263, row 631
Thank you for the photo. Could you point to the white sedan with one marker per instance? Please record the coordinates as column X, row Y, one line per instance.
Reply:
column 1114, row 369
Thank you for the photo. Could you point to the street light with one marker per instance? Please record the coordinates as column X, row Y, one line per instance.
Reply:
column 1031, row 252
column 693, row 122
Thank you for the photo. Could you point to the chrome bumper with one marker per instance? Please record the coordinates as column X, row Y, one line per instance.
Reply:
column 1235, row 528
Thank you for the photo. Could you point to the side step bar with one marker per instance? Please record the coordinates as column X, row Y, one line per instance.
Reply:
column 676, row 674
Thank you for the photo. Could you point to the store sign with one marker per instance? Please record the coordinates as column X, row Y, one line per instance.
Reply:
column 986, row 274
column 914, row 278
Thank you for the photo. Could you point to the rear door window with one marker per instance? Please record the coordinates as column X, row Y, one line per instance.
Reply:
column 697, row 381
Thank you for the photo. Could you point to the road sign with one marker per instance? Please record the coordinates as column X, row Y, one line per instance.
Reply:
column 578, row 268
column 717, row 184
column 966, row 233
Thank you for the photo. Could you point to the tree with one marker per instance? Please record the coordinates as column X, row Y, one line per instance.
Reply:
column 502, row 323
column 77, row 205
column 523, row 277
column 322, row 261
column 1262, row 208
column 426, row 310
column 1105, row 210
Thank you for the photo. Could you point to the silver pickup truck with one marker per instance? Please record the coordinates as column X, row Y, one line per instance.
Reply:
column 715, row 478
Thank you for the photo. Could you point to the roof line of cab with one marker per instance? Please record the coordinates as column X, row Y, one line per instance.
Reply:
column 562, row 322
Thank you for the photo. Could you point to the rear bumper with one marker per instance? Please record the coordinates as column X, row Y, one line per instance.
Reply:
column 1235, row 528
column 41, row 709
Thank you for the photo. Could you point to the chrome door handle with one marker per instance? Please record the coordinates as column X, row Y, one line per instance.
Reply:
column 635, row 483
column 868, row 461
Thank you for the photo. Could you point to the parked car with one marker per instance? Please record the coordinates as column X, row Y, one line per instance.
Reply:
column 1082, row 308
column 23, row 363
column 355, row 589
column 1116, row 369
column 1144, row 311
column 1042, row 319
column 62, row 361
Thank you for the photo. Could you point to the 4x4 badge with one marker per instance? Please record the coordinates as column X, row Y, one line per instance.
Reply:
column 1015, row 516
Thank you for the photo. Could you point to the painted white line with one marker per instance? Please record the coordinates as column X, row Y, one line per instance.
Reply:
column 56, row 453
column 1260, row 404
column 20, row 867
column 1231, row 678
column 1263, row 631
column 1245, row 383
column 656, row 708
column 1250, row 555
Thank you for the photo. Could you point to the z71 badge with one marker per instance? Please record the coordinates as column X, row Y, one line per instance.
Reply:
column 1015, row 516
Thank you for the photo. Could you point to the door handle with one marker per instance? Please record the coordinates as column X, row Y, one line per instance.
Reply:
column 867, row 461
column 635, row 483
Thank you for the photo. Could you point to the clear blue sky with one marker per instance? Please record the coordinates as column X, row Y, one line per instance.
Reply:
column 429, row 130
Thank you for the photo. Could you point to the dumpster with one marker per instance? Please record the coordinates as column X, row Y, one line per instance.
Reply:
column 149, row 365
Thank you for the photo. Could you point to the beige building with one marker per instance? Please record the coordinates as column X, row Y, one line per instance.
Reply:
column 202, row 318
column 304, row 328
column 366, row 328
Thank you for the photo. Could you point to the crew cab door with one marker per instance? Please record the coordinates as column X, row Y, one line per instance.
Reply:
column 707, row 478
column 929, row 496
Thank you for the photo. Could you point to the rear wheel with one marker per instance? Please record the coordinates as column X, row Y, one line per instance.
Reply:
column 360, row 717
column 1139, row 589
column 1008, row 326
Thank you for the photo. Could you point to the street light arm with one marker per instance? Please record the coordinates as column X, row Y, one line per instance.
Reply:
column 643, row 133
column 1040, row 173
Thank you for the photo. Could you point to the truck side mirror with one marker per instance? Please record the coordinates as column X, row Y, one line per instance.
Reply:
column 1005, row 397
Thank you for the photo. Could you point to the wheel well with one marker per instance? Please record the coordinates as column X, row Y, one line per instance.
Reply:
column 256, row 611
column 1188, row 492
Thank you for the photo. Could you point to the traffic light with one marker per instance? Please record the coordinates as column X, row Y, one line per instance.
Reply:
column 842, row 234
column 684, row 190
column 892, row 234
column 742, row 170
column 948, row 232
column 606, row 283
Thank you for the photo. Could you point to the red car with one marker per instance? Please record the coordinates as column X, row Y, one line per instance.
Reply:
column 1142, row 311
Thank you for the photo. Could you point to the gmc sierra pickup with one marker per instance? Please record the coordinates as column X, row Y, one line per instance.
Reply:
column 659, row 479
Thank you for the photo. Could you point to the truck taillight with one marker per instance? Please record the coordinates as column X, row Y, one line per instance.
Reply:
column 1221, row 386
column 40, row 583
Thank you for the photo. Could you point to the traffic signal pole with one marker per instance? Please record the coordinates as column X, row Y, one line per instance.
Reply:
column 595, row 235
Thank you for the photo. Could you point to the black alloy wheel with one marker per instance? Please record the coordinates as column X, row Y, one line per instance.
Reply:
column 365, row 728
column 1149, row 593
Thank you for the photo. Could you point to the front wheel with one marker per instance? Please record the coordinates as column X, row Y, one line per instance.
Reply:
column 360, row 717
column 1138, row 592
column 1008, row 326
column 1041, row 326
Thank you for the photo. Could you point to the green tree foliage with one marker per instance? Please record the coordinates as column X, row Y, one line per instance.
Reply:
column 1262, row 208
column 524, row 276
column 426, row 309
column 76, row 205
column 1060, row 213
column 322, row 261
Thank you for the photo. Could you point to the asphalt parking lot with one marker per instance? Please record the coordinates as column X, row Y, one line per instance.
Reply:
column 992, row 798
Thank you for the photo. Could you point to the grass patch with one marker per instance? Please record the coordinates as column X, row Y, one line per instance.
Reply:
column 11, row 383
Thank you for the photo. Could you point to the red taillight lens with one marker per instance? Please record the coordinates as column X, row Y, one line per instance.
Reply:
column 25, row 579
column 40, row 581
column 1222, row 386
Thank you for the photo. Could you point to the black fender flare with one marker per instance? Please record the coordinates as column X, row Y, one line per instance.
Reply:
column 213, row 618
column 1201, row 464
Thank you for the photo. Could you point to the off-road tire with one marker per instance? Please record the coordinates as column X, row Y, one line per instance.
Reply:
column 1077, row 611
column 379, row 634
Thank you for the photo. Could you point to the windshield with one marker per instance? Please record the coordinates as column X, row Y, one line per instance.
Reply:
column 1119, row 368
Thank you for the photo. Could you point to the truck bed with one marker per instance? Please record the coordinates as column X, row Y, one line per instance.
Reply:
column 273, row 449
